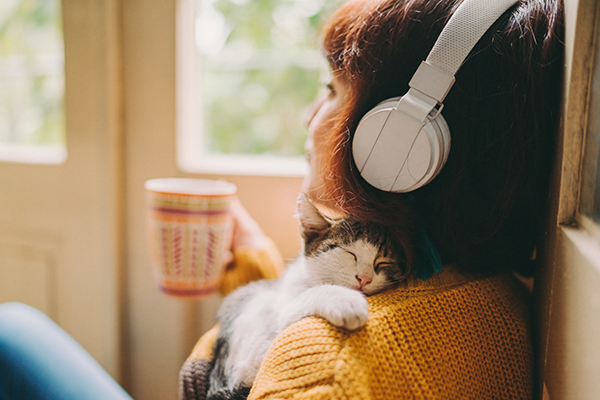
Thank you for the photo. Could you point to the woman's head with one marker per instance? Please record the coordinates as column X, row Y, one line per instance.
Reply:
column 482, row 211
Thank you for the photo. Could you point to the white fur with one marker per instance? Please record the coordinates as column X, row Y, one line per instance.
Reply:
column 324, row 286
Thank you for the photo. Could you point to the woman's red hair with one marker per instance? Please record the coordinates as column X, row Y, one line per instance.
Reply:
column 482, row 211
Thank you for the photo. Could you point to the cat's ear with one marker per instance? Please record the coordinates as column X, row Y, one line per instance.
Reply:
column 312, row 222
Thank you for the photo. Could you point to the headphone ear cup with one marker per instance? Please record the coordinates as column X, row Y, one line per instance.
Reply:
column 423, row 160
column 366, row 135
column 384, row 105
column 445, row 140
column 438, row 133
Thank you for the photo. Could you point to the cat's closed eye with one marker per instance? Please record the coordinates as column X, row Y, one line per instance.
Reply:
column 352, row 254
column 383, row 265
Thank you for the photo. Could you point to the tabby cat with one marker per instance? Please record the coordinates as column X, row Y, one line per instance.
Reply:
column 343, row 261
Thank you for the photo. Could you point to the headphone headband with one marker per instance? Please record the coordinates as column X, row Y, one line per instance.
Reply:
column 462, row 32
column 404, row 144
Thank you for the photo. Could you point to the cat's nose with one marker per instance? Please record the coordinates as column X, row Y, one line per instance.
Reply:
column 363, row 280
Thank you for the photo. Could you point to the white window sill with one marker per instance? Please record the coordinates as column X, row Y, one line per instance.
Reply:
column 587, row 243
column 17, row 153
column 246, row 165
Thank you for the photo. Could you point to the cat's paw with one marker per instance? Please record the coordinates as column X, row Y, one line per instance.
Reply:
column 343, row 307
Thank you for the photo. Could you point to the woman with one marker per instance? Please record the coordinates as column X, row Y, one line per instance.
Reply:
column 463, row 332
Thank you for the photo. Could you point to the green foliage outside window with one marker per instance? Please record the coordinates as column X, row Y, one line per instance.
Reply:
column 261, row 69
column 31, row 73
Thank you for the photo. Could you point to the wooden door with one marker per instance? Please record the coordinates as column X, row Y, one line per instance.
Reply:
column 61, row 226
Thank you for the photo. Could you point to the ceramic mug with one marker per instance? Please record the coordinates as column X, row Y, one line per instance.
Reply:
column 190, row 230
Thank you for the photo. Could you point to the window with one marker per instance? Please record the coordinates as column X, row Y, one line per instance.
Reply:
column 32, row 122
column 250, row 73
column 590, row 189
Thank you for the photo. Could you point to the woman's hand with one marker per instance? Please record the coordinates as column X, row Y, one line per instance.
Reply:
column 251, row 256
column 246, row 230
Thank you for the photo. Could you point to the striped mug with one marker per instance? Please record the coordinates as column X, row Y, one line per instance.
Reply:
column 190, row 229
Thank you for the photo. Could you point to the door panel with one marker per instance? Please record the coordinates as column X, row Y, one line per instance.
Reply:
column 28, row 269
column 60, row 224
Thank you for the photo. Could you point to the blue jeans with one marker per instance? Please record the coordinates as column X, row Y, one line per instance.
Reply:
column 38, row 360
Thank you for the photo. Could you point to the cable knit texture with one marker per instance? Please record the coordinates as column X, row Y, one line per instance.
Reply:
column 449, row 337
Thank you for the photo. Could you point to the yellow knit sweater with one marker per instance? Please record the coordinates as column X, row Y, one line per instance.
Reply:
column 450, row 337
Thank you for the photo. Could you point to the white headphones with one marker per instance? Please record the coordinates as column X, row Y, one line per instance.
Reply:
column 403, row 143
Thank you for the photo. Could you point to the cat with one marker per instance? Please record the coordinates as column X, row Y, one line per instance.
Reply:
column 343, row 260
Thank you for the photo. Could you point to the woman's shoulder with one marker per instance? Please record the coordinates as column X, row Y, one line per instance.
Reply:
column 452, row 289
column 451, row 334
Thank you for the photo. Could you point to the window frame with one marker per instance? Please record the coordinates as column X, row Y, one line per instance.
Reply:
column 41, row 154
column 189, row 120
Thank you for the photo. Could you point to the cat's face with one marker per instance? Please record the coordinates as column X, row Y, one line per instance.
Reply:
column 348, row 253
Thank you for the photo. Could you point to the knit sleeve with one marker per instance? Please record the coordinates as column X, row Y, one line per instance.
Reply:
column 193, row 376
column 261, row 260
column 310, row 360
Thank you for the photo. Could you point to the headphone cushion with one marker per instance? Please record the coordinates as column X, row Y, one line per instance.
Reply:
column 405, row 166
